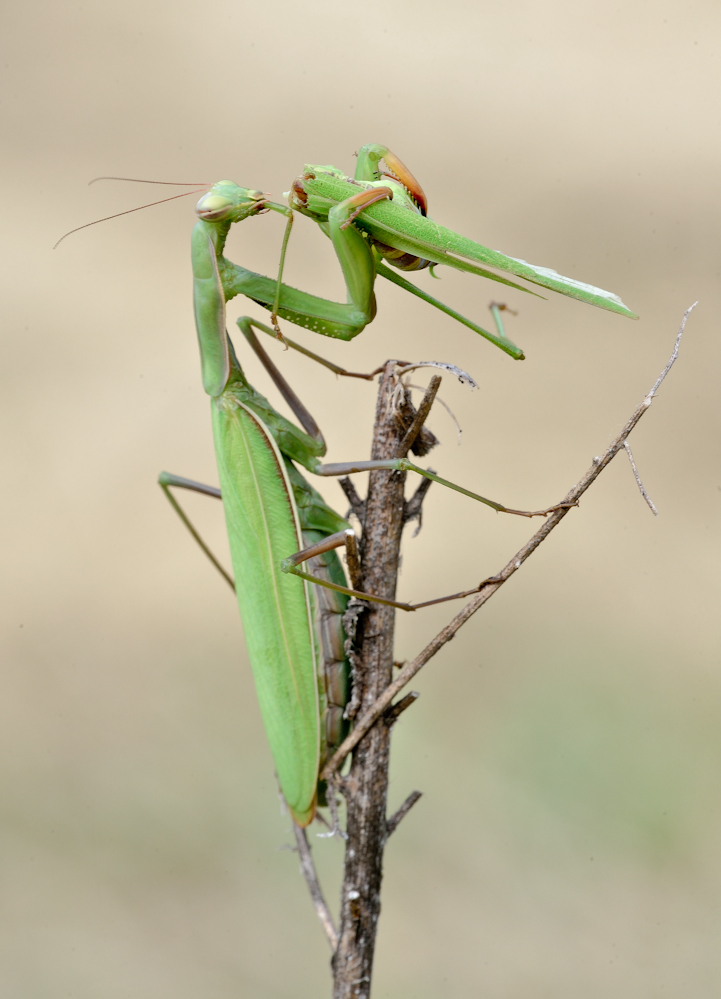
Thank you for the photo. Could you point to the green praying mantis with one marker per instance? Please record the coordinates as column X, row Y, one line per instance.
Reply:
column 275, row 519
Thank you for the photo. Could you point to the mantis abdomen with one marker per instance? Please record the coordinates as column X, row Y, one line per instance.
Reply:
column 334, row 672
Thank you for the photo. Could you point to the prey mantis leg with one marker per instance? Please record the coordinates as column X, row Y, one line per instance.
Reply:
column 501, row 341
column 496, row 309
column 368, row 168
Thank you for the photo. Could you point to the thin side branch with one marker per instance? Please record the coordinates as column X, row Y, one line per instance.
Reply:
column 637, row 477
column 491, row 586
column 396, row 710
column 357, row 504
column 420, row 418
column 311, row 879
column 413, row 508
column 397, row 817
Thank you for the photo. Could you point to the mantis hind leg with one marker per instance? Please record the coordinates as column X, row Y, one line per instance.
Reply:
column 168, row 481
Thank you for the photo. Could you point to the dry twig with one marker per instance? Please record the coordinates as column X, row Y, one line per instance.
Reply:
column 311, row 879
column 491, row 586
column 397, row 817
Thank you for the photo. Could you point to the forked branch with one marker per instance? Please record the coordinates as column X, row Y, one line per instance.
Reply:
column 492, row 585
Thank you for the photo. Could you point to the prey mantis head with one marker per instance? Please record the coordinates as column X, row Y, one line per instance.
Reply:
column 226, row 202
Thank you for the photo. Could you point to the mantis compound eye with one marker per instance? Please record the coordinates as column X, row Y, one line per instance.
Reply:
column 225, row 200
column 213, row 207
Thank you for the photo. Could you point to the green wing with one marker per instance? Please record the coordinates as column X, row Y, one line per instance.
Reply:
column 415, row 234
column 263, row 528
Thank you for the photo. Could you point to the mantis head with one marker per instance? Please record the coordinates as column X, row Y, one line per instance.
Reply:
column 226, row 202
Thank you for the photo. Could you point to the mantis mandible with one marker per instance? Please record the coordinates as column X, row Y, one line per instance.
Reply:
column 375, row 217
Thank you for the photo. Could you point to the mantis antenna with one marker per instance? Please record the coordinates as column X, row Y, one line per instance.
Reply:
column 107, row 218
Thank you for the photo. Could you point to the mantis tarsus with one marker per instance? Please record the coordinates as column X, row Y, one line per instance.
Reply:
column 374, row 217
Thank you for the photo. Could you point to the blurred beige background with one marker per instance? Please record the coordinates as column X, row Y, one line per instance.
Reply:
column 567, row 743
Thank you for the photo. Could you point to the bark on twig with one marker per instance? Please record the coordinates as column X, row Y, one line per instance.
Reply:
column 365, row 788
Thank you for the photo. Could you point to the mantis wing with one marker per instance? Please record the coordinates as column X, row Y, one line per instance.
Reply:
column 413, row 233
column 263, row 527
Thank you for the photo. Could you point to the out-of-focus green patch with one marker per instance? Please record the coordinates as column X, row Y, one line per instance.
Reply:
column 617, row 759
